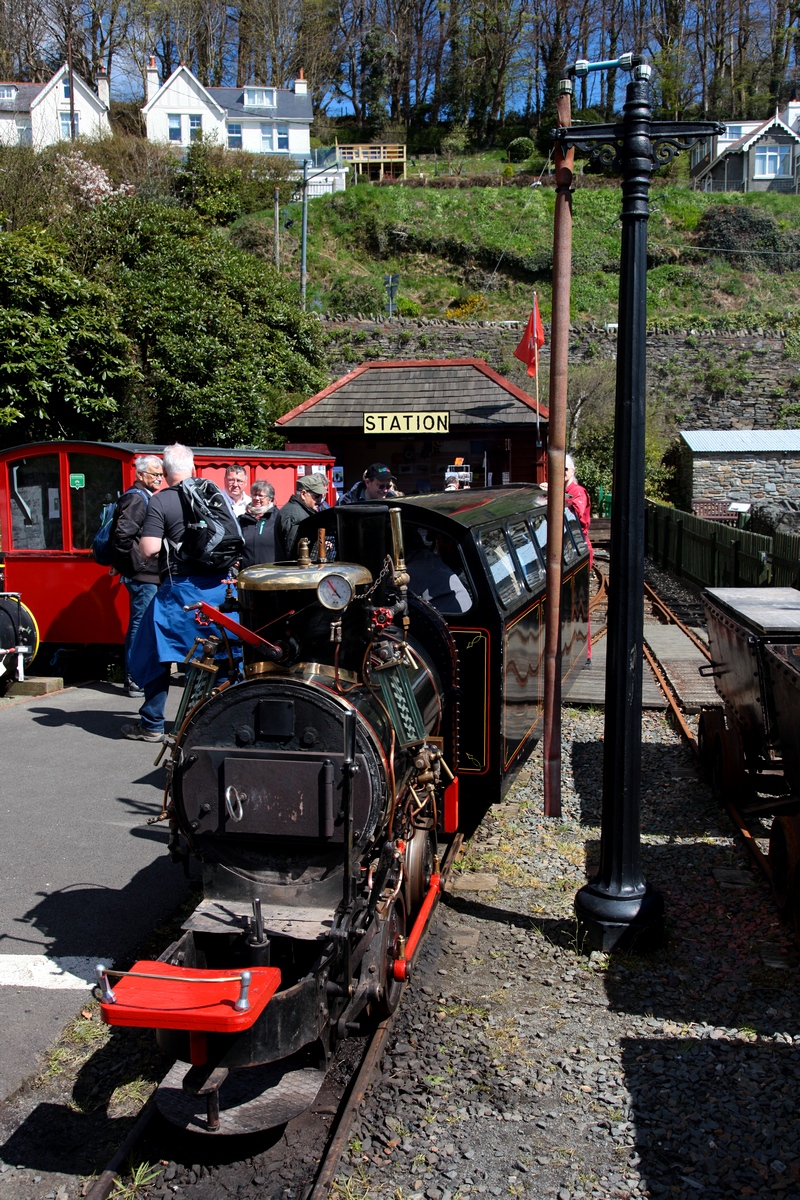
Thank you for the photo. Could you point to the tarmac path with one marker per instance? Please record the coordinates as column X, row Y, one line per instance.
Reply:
column 83, row 878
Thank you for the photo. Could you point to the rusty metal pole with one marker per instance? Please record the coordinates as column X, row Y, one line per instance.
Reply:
column 556, row 450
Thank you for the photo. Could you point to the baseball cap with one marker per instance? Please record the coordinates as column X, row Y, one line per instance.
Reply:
column 316, row 483
column 379, row 471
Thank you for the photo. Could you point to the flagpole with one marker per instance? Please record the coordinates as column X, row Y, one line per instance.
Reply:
column 556, row 452
column 536, row 367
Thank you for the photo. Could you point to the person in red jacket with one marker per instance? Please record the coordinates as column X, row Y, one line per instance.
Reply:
column 577, row 501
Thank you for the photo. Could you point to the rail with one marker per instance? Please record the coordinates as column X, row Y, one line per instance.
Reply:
column 712, row 555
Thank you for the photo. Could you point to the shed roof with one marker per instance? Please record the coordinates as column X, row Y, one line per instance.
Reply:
column 742, row 441
column 468, row 388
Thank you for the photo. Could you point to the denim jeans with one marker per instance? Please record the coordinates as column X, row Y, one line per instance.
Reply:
column 141, row 596
column 151, row 713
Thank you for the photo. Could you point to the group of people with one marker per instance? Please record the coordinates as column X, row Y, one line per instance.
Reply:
column 150, row 526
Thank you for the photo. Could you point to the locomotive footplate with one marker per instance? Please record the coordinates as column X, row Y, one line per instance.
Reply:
column 279, row 920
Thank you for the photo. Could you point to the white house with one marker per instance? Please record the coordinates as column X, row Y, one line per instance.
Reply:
column 263, row 120
column 751, row 156
column 37, row 114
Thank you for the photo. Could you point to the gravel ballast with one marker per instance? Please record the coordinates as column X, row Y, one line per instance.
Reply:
column 522, row 1067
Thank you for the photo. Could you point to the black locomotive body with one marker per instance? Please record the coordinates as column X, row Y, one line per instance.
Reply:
column 316, row 791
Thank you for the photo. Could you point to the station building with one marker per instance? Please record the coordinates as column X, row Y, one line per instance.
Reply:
column 419, row 418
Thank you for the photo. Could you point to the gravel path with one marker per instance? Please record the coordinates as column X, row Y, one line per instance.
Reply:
column 520, row 1067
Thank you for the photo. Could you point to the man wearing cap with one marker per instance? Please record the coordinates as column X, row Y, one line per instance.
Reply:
column 311, row 491
column 375, row 484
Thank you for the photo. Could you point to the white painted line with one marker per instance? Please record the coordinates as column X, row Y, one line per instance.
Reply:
column 41, row 971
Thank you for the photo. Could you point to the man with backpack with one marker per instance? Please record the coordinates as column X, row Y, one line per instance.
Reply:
column 192, row 529
column 140, row 575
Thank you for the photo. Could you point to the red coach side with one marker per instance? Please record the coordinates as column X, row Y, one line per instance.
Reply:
column 51, row 498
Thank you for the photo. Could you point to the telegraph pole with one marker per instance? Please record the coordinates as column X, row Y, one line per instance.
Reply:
column 619, row 909
column 276, row 236
column 71, row 76
column 304, row 237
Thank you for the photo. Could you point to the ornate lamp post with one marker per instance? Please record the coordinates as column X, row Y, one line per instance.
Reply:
column 618, row 908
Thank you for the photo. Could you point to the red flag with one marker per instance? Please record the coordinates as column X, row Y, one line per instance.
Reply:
column 533, row 337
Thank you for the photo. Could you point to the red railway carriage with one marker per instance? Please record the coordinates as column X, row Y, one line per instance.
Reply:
column 51, row 498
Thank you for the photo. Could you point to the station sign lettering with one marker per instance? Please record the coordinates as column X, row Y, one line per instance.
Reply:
column 407, row 422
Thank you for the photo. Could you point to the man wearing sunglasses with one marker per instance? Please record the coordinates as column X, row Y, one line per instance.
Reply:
column 376, row 483
column 140, row 575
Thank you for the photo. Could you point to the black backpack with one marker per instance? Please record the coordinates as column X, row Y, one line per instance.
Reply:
column 103, row 541
column 212, row 541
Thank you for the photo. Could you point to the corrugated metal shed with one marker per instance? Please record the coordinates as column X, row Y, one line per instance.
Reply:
column 742, row 441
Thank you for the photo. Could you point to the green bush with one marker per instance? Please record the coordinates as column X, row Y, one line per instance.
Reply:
column 520, row 149
column 408, row 308
column 349, row 296
column 67, row 364
column 223, row 346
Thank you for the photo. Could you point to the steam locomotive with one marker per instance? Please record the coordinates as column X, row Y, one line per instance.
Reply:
column 388, row 697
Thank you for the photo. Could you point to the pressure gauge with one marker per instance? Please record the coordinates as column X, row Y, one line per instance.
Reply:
column 334, row 592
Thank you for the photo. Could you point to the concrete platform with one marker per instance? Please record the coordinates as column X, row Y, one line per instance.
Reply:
column 84, row 877
column 588, row 685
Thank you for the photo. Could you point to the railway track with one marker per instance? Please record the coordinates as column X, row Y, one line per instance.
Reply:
column 323, row 1144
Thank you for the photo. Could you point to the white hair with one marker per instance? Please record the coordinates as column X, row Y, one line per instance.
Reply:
column 178, row 461
column 143, row 461
column 569, row 462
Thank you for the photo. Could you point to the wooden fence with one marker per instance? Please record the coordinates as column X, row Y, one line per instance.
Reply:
column 713, row 555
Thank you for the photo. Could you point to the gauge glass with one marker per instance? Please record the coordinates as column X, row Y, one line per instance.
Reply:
column 334, row 592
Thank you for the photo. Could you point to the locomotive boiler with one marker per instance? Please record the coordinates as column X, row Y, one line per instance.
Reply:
column 311, row 794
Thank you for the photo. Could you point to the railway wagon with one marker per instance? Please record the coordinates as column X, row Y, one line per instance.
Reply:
column 389, row 696
column 51, row 498
column 751, row 747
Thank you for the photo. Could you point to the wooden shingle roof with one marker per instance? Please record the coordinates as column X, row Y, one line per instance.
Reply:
column 467, row 388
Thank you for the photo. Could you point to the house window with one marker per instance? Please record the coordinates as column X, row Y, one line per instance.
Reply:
column 195, row 128
column 25, row 134
column 734, row 132
column 64, row 117
column 259, row 97
column 234, row 137
column 65, row 85
column 266, row 139
column 283, row 137
column 772, row 161
column 7, row 93
column 174, row 122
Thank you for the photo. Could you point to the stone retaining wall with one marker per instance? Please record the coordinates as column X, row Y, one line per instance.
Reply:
column 699, row 380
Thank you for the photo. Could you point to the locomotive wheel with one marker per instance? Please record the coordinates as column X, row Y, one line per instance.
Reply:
column 420, row 854
column 394, row 930
column 784, row 854
column 17, row 628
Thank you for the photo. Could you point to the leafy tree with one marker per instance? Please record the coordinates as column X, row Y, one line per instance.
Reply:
column 223, row 345
column 67, row 367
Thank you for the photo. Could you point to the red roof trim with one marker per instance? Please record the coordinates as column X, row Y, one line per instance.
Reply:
column 480, row 364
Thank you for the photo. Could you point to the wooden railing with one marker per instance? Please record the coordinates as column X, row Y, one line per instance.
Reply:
column 367, row 152
column 713, row 555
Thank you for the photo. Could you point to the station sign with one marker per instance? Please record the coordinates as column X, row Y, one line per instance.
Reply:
column 406, row 422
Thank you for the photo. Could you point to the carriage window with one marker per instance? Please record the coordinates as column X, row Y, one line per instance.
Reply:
column 539, row 526
column 577, row 535
column 35, row 494
column 501, row 565
column 530, row 562
column 570, row 524
column 93, row 482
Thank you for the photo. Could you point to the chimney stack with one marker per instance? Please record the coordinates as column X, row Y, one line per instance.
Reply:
column 103, row 89
column 152, row 78
column 301, row 84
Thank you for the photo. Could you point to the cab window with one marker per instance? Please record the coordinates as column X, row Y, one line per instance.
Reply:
column 532, row 565
column 500, row 562
column 436, row 570
column 35, row 494
column 570, row 525
column 93, row 482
